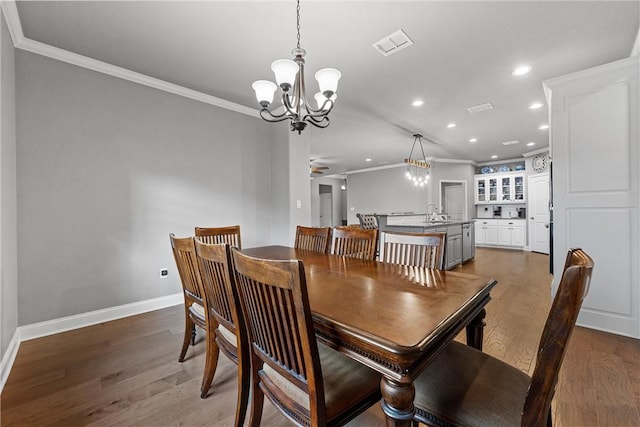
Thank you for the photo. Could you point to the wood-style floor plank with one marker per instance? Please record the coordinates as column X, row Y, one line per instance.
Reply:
column 126, row 372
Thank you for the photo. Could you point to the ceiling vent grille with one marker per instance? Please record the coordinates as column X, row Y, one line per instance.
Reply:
column 393, row 43
column 478, row 108
column 515, row 141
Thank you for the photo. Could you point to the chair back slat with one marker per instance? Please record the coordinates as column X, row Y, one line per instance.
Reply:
column 313, row 238
column 275, row 303
column 413, row 249
column 573, row 287
column 184, row 253
column 354, row 242
column 217, row 235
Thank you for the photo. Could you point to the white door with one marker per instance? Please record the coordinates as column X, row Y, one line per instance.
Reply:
column 453, row 199
column 539, row 213
column 326, row 210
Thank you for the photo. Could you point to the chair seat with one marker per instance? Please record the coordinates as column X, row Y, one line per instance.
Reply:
column 345, row 383
column 197, row 310
column 465, row 387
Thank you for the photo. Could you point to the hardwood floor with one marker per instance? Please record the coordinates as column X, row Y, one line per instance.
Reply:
column 126, row 372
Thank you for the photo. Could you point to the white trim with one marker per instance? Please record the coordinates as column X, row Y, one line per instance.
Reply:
column 8, row 358
column 534, row 152
column 21, row 42
column 635, row 51
column 497, row 162
column 12, row 19
column 50, row 327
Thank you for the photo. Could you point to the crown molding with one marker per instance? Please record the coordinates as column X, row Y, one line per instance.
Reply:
column 534, row 152
column 21, row 42
column 635, row 50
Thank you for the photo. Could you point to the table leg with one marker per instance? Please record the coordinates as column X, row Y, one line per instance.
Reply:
column 397, row 402
column 475, row 330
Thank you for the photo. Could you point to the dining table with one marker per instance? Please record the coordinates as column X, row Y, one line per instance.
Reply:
column 392, row 318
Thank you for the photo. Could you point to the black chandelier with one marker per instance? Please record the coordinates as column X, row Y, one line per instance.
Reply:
column 290, row 77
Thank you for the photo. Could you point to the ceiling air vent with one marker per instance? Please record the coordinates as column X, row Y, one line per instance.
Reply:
column 515, row 141
column 393, row 43
column 478, row 108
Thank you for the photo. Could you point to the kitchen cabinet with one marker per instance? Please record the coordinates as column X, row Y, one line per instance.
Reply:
column 511, row 233
column 500, row 188
column 453, row 255
column 486, row 189
column 486, row 232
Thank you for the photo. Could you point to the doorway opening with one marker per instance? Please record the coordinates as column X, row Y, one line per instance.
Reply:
column 326, row 205
column 453, row 199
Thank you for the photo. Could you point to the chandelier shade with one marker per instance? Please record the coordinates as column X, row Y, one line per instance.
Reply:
column 289, row 76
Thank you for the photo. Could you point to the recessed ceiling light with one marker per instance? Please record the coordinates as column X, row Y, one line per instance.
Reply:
column 451, row 125
column 367, row 160
column 473, row 140
column 494, row 156
column 529, row 144
column 417, row 103
column 535, row 106
column 543, row 127
column 521, row 70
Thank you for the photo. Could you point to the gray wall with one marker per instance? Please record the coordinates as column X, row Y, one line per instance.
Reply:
column 337, row 198
column 387, row 190
column 107, row 169
column 8, row 239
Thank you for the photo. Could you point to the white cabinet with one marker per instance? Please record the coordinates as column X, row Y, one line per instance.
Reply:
column 500, row 188
column 486, row 189
column 501, row 232
column 511, row 233
column 512, row 188
column 487, row 232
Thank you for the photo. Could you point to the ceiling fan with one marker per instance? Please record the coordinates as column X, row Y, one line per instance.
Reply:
column 317, row 170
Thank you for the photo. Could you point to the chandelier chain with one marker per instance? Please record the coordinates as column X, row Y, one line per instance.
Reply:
column 298, row 22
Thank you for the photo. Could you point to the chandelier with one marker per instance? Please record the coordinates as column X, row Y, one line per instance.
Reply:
column 417, row 167
column 290, row 77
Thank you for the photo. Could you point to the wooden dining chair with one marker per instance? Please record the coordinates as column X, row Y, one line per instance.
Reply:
column 354, row 242
column 226, row 331
column 184, row 253
column 213, row 235
column 413, row 249
column 465, row 387
column 313, row 238
column 309, row 383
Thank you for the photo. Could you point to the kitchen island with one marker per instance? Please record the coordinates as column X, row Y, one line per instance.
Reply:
column 460, row 241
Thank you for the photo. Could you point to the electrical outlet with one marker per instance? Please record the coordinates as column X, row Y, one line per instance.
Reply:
column 164, row 273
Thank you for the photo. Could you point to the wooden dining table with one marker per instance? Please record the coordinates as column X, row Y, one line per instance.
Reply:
column 394, row 319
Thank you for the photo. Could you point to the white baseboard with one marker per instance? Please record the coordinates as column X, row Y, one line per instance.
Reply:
column 50, row 327
column 8, row 358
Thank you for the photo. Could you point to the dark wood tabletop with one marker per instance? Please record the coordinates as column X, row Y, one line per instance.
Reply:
column 393, row 318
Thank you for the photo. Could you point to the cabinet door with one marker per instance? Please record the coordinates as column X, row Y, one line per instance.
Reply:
column 505, row 189
column 480, row 233
column 491, row 234
column 454, row 251
column 518, row 188
column 481, row 190
column 504, row 235
column 517, row 236
column 493, row 189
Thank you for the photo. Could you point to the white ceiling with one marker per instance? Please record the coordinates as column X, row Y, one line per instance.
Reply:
column 463, row 55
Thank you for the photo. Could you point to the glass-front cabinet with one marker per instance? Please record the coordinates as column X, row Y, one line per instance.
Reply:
column 486, row 189
column 500, row 188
